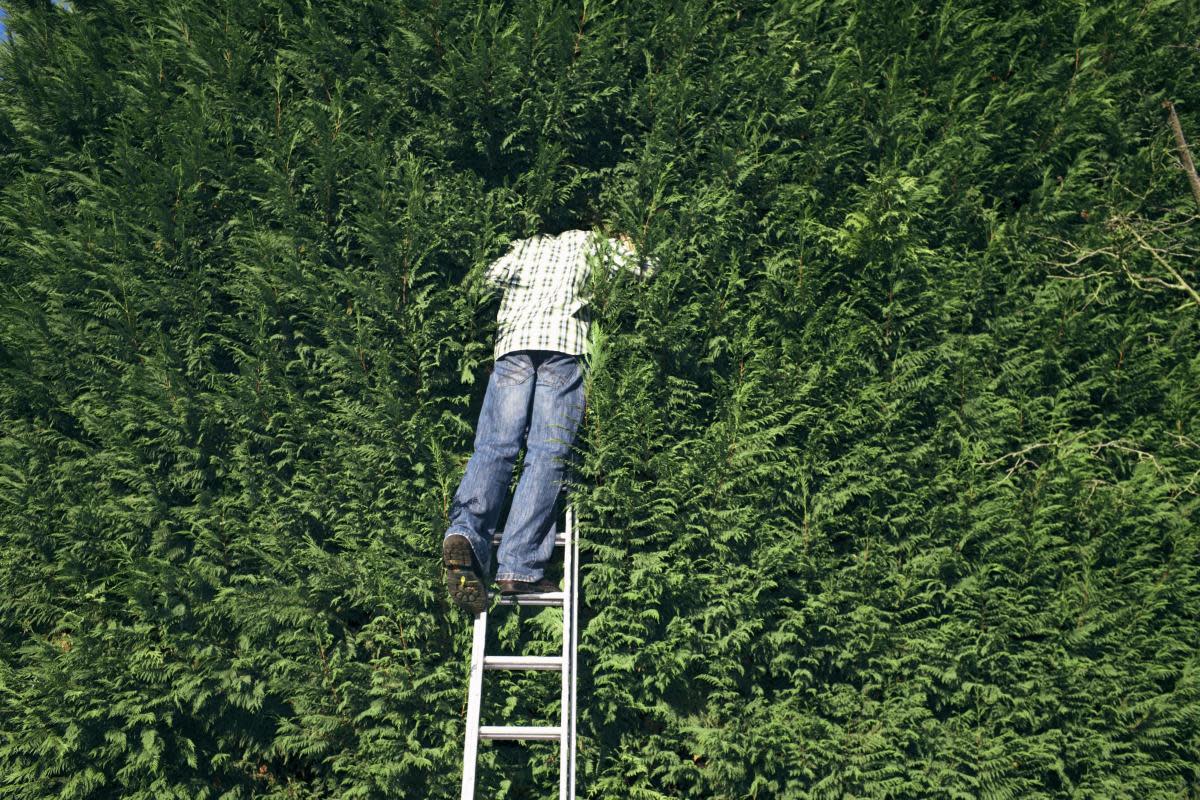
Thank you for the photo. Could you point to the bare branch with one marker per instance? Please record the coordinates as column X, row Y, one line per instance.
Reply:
column 1182, row 284
column 1084, row 255
column 1020, row 452
column 1118, row 444
column 1188, row 489
column 1185, row 155
column 1076, row 277
column 1185, row 441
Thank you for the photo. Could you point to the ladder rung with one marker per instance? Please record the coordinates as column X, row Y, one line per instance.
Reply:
column 512, row 732
column 532, row 599
column 522, row 662
column 559, row 540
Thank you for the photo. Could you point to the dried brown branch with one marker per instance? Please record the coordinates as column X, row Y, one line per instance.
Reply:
column 1185, row 155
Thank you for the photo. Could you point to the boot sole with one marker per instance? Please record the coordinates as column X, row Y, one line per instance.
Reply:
column 462, row 581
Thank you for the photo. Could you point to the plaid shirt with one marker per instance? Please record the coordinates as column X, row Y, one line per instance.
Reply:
column 544, row 279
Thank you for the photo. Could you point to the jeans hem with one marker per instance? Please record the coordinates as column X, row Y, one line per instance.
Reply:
column 513, row 576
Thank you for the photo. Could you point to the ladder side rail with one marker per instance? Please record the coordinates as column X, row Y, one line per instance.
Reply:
column 574, row 665
column 474, row 701
column 565, row 708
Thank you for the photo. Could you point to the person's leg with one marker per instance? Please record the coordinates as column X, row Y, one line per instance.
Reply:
column 558, row 405
column 484, row 486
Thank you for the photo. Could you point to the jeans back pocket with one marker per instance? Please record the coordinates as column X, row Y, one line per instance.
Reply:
column 512, row 369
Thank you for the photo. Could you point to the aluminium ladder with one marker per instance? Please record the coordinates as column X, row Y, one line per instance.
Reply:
column 564, row 732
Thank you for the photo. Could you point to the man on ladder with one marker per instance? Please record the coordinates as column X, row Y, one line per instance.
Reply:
column 535, row 397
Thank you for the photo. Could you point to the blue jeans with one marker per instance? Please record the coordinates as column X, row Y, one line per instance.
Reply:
column 535, row 397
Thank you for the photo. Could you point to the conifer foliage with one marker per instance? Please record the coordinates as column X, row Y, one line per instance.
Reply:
column 888, row 484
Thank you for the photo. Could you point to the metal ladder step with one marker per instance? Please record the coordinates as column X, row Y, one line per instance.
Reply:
column 517, row 732
column 534, row 599
column 523, row 662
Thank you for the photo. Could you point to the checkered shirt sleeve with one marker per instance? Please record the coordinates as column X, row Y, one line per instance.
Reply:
column 544, row 280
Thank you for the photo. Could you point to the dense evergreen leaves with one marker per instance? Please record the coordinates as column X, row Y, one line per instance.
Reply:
column 888, row 483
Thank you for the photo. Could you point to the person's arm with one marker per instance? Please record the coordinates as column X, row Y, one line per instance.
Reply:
column 499, row 273
column 625, row 255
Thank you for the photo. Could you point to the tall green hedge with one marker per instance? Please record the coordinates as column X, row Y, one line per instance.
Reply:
column 889, row 480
